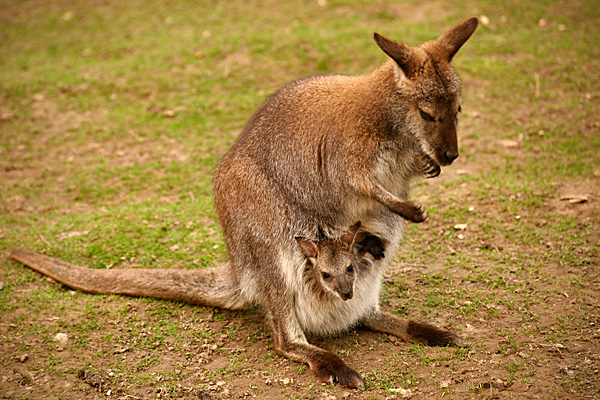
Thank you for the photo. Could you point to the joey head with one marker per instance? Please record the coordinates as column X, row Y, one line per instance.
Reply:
column 332, row 262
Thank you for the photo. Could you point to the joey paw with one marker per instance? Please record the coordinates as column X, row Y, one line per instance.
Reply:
column 330, row 369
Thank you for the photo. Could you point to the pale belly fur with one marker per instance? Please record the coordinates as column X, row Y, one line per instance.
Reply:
column 329, row 315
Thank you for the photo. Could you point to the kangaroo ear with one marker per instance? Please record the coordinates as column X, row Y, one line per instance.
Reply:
column 348, row 237
column 403, row 55
column 308, row 247
column 450, row 42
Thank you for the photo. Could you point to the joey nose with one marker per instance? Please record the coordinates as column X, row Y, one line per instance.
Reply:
column 347, row 295
column 451, row 155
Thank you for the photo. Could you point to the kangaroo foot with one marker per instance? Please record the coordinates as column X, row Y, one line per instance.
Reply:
column 432, row 335
column 330, row 369
column 411, row 331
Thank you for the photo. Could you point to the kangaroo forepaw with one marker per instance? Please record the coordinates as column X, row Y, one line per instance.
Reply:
column 432, row 172
column 432, row 335
column 331, row 369
column 415, row 213
column 431, row 169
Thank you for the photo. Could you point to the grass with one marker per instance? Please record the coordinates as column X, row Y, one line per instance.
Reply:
column 113, row 117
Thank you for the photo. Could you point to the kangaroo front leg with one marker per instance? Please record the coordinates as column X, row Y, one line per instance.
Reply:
column 410, row 331
column 289, row 341
column 404, row 208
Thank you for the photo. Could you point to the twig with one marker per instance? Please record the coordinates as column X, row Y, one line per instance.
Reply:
column 554, row 346
column 44, row 240
column 135, row 135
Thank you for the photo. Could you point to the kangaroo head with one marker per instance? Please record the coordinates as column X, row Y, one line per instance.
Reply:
column 332, row 262
column 427, row 83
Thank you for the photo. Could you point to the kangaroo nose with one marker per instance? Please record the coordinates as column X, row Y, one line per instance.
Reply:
column 451, row 155
column 347, row 295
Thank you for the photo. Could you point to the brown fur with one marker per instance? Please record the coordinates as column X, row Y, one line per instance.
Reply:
column 318, row 155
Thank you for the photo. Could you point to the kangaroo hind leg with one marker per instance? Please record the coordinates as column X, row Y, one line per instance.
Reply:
column 289, row 341
column 410, row 331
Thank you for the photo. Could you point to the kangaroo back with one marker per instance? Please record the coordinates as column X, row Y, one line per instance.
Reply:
column 211, row 286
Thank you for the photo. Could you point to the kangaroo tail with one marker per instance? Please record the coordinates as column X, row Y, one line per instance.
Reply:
column 215, row 287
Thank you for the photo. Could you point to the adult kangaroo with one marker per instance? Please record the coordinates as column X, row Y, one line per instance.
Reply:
column 320, row 154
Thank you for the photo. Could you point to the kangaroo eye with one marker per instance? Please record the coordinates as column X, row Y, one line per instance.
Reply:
column 459, row 109
column 326, row 276
column 426, row 116
column 350, row 269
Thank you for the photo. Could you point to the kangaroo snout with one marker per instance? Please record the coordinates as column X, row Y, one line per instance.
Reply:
column 344, row 289
column 346, row 295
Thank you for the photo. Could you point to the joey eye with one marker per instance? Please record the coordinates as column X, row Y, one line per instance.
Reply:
column 350, row 269
column 326, row 276
column 426, row 116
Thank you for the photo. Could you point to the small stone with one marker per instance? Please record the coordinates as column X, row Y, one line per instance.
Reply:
column 62, row 339
column 405, row 393
column 445, row 384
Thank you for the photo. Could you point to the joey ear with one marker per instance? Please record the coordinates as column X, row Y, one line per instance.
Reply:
column 348, row 237
column 450, row 42
column 308, row 247
column 399, row 52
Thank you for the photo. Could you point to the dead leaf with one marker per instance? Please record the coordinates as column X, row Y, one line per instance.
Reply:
column 446, row 383
column 575, row 198
column 6, row 116
column 510, row 144
column 122, row 350
column 405, row 393
column 66, row 235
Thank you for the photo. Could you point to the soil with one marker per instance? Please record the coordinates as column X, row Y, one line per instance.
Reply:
column 532, row 335
column 238, row 360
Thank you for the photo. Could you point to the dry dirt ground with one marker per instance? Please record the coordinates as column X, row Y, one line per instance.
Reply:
column 524, row 297
column 537, row 339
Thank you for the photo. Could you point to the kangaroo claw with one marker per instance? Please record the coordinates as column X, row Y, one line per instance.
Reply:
column 431, row 169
